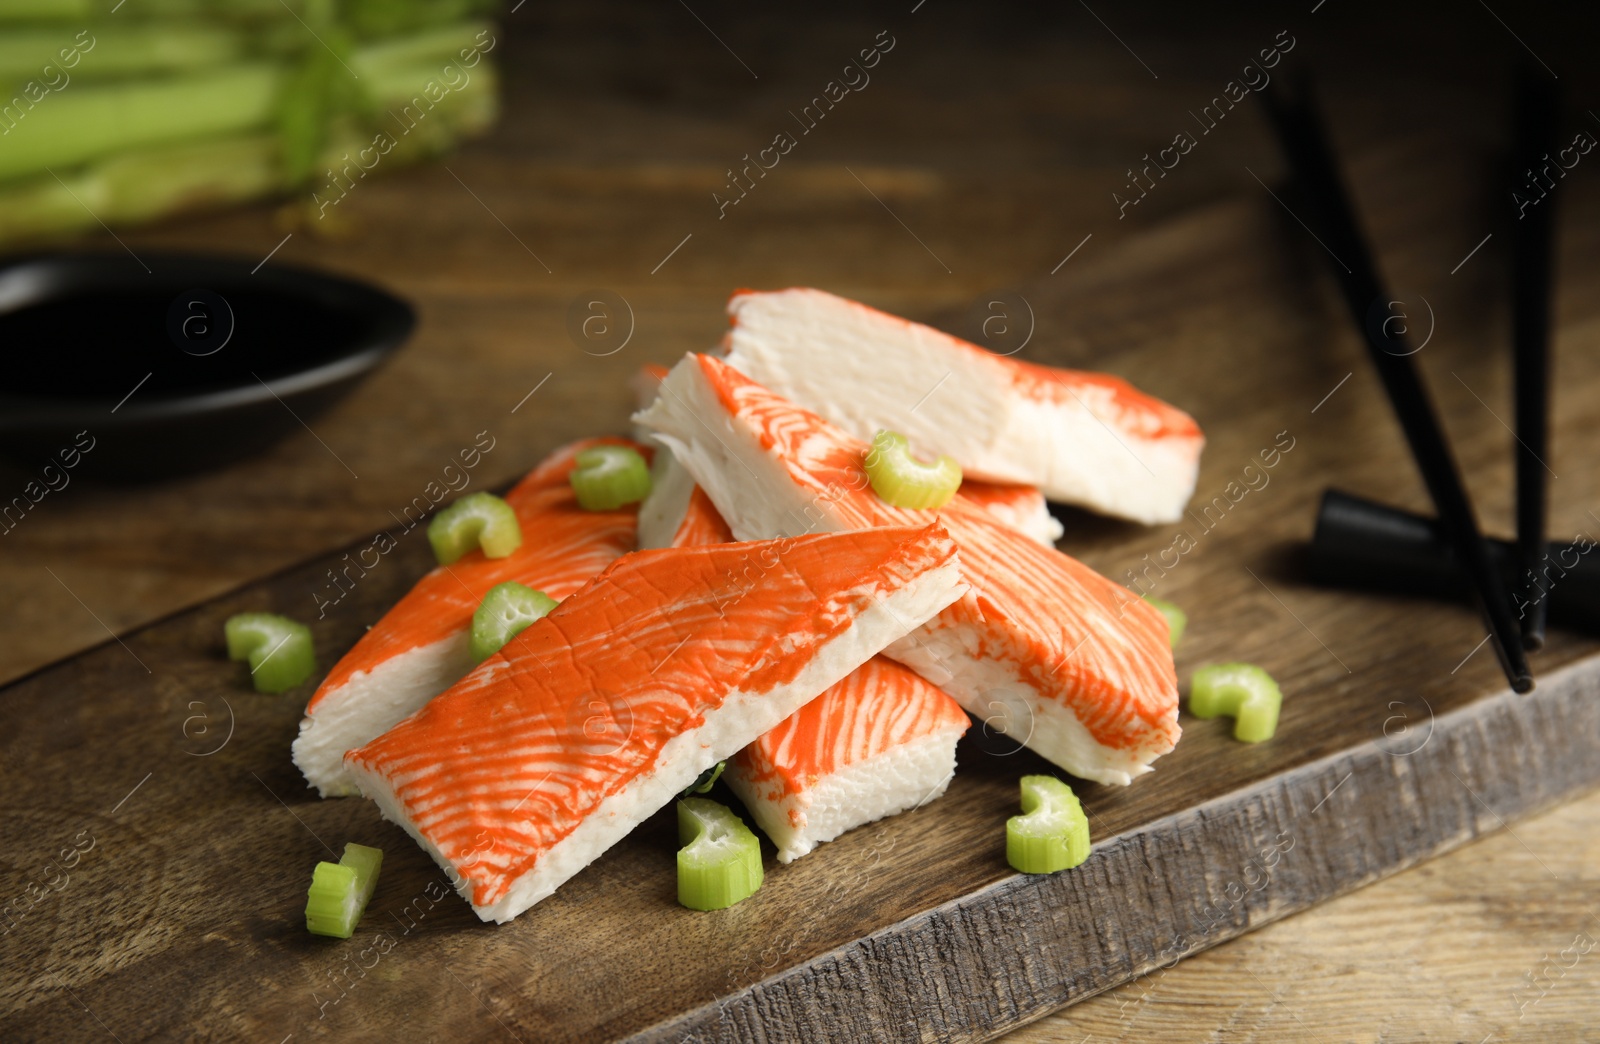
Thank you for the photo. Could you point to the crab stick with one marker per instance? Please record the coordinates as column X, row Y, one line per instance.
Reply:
column 600, row 713
column 1082, row 438
column 1042, row 648
column 420, row 647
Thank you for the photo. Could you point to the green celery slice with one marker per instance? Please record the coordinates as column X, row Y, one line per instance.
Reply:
column 706, row 780
column 476, row 521
column 1243, row 692
column 366, row 862
column 340, row 891
column 505, row 611
column 607, row 477
column 1052, row 833
column 720, row 863
column 331, row 901
column 278, row 648
column 1177, row 619
column 901, row 480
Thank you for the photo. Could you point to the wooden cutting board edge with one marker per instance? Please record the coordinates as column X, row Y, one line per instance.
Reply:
column 1264, row 852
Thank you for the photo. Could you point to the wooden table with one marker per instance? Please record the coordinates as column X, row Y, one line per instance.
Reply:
column 985, row 149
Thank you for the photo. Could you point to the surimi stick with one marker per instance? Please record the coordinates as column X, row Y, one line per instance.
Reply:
column 600, row 713
column 1021, row 507
column 1081, row 438
column 879, row 742
column 419, row 647
column 1043, row 647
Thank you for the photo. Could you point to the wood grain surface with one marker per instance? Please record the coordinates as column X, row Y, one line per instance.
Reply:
column 992, row 147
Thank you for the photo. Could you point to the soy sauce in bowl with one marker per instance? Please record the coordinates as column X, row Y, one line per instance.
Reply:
column 187, row 366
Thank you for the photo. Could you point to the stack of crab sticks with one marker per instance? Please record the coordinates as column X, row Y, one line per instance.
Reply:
column 800, row 576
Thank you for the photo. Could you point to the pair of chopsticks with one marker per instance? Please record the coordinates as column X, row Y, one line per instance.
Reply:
column 1300, row 133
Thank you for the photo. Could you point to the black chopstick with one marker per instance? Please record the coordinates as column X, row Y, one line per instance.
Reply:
column 1300, row 134
column 1363, row 545
column 1533, row 135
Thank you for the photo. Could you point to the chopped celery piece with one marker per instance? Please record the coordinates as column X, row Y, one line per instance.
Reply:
column 340, row 891
column 720, row 863
column 278, row 648
column 505, row 611
column 330, row 902
column 1052, row 833
column 1177, row 619
column 607, row 477
column 1242, row 691
column 903, row 481
column 706, row 780
column 366, row 861
column 477, row 520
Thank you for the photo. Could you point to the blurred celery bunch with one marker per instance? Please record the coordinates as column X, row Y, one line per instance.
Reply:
column 125, row 111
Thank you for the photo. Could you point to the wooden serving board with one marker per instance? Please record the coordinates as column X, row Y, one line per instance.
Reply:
column 158, row 841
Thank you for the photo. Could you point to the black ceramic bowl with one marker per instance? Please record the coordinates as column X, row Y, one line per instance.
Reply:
column 196, row 362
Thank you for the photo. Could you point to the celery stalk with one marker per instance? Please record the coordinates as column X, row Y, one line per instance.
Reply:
column 140, row 150
column 146, row 184
column 141, row 186
column 116, row 51
column 49, row 10
column 78, row 11
column 370, row 17
column 433, row 48
column 389, row 17
column 52, row 129
column 82, row 124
